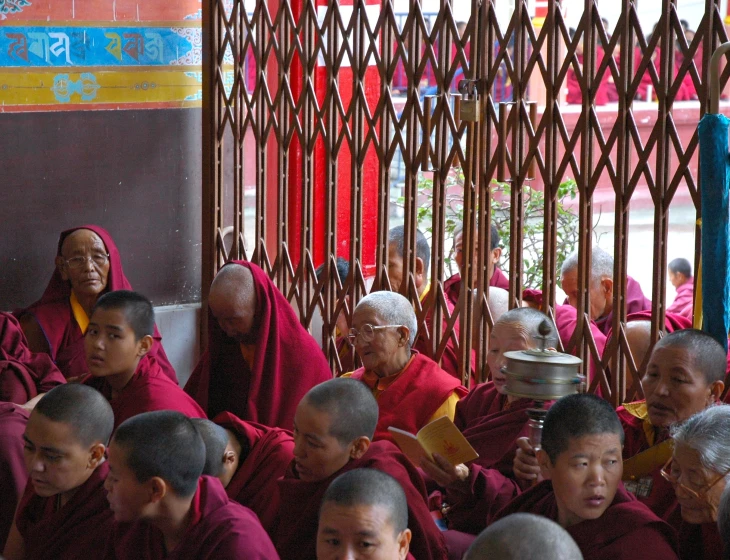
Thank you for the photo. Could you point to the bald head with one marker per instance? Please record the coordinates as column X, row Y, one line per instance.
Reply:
column 705, row 352
column 524, row 536
column 638, row 335
column 498, row 302
column 528, row 320
column 216, row 439
column 232, row 300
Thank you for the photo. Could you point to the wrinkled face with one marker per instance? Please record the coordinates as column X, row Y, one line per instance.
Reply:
column 600, row 294
column 359, row 532
column 236, row 318
column 317, row 453
column 90, row 279
column 459, row 258
column 55, row 459
column 673, row 387
column 395, row 267
column 687, row 471
column 127, row 496
column 585, row 476
column 111, row 345
column 505, row 337
column 386, row 350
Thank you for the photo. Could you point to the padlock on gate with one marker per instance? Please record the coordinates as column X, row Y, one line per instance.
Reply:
column 470, row 105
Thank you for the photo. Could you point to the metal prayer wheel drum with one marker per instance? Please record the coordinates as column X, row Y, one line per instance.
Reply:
column 542, row 375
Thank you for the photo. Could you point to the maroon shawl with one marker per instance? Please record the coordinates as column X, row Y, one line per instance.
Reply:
column 220, row 529
column 77, row 531
column 23, row 374
column 265, row 456
column 287, row 363
column 452, row 285
column 412, row 399
column 55, row 317
column 635, row 302
column 626, row 530
column 700, row 542
column 13, row 474
column 295, row 535
column 148, row 390
column 683, row 304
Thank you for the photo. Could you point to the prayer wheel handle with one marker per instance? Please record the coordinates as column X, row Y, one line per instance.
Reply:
column 715, row 77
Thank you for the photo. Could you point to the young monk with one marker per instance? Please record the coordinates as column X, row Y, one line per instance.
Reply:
column 164, row 507
column 581, row 462
column 364, row 515
column 248, row 459
column 333, row 427
column 118, row 342
column 87, row 265
column 63, row 512
column 13, row 474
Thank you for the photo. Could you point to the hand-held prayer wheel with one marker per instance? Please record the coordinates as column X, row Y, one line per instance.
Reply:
column 541, row 375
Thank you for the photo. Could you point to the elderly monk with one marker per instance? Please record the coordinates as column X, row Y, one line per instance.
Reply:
column 260, row 361
column 364, row 515
column 699, row 472
column 581, row 462
column 601, row 288
column 333, row 429
column 23, row 374
column 684, row 376
column 87, row 265
column 680, row 275
column 396, row 274
column 410, row 388
column 248, row 459
column 522, row 536
column 13, row 473
column 63, row 512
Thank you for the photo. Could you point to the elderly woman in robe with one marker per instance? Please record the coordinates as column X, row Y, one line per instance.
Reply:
column 87, row 265
column 699, row 471
column 411, row 389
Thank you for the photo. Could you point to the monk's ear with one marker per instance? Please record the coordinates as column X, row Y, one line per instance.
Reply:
column 96, row 455
column 61, row 266
column 404, row 543
column 716, row 389
column 145, row 345
column 405, row 334
column 420, row 267
column 496, row 254
column 359, row 447
column 158, row 489
column 229, row 457
column 546, row 465
column 607, row 284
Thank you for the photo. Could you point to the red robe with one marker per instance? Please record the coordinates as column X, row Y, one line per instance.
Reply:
column 700, row 542
column 412, row 399
column 287, row 363
column 635, row 302
column 78, row 531
column 54, row 314
column 23, row 374
column 148, row 390
column 221, row 529
column 452, row 286
column 627, row 529
column 13, row 474
column 265, row 457
column 295, row 535
column 683, row 304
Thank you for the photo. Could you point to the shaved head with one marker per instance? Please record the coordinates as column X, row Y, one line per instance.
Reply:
column 215, row 438
column 638, row 335
column 498, row 302
column 524, row 536
column 705, row 353
column 232, row 300
column 528, row 320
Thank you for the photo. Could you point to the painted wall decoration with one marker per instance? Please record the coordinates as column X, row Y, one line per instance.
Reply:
column 99, row 54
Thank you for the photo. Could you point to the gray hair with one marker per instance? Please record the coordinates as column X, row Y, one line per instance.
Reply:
column 707, row 433
column 601, row 264
column 397, row 238
column 393, row 309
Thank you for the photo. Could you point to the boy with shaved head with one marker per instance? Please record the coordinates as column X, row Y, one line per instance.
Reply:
column 364, row 515
column 63, row 512
column 248, row 459
column 333, row 429
column 164, row 507
column 581, row 462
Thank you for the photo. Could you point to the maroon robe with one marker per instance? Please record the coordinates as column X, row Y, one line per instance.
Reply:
column 23, row 374
column 295, row 535
column 700, row 542
column 452, row 286
column 148, row 390
column 627, row 529
column 287, row 363
column 56, row 319
column 412, row 399
column 683, row 304
column 77, row 531
column 13, row 474
column 221, row 529
column 635, row 302
column 265, row 455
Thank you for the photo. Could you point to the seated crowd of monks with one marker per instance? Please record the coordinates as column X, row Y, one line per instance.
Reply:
column 264, row 455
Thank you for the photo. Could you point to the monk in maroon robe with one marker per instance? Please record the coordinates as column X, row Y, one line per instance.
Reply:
column 248, row 459
column 118, row 341
column 63, row 512
column 580, row 459
column 163, row 507
column 260, row 361
column 13, row 473
column 333, row 428
column 680, row 275
column 23, row 374
column 87, row 265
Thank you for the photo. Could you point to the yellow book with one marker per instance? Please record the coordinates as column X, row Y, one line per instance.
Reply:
column 440, row 436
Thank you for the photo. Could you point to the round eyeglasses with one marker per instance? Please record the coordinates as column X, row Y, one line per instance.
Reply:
column 367, row 332
column 98, row 260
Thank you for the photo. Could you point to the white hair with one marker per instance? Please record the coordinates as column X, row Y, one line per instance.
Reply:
column 707, row 433
column 393, row 309
column 601, row 264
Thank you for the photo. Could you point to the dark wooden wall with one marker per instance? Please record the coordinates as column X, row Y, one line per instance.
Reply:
column 136, row 173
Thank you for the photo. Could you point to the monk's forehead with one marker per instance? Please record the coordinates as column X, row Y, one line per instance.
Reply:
column 44, row 431
column 511, row 328
column 81, row 239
